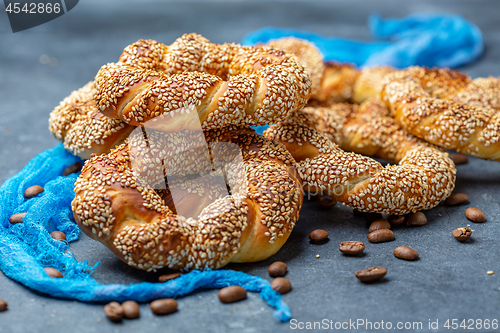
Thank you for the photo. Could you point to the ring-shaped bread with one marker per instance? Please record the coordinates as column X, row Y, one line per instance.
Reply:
column 114, row 206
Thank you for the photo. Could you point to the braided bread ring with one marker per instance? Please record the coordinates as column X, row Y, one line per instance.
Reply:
column 424, row 176
column 250, row 86
column 82, row 128
column 137, row 225
column 445, row 108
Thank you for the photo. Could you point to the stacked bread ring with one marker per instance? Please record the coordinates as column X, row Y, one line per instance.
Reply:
column 164, row 199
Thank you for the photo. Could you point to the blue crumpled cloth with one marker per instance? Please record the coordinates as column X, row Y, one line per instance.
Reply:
column 424, row 39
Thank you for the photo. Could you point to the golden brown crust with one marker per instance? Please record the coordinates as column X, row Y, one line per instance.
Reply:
column 82, row 128
column 228, row 84
column 136, row 223
column 424, row 176
column 308, row 54
column 369, row 83
column 446, row 108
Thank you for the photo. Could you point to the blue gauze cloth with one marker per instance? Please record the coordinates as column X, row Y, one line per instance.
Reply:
column 423, row 39
column 26, row 248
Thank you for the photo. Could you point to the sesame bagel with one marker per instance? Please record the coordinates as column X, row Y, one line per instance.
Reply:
column 142, row 226
column 447, row 108
column 229, row 84
column 423, row 177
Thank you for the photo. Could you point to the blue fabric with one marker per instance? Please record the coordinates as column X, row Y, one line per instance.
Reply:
column 26, row 248
column 424, row 39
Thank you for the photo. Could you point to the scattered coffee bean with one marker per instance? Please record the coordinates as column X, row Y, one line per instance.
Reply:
column 326, row 201
column 33, row 191
column 456, row 199
column 380, row 236
column 131, row 310
column 232, row 294
column 163, row 306
column 475, row 215
column 416, row 219
column 371, row 274
column 168, row 277
column 58, row 235
column 459, row 158
column 3, row 305
column 281, row 285
column 72, row 169
column 277, row 268
column 396, row 220
column 462, row 234
column 53, row 273
column 370, row 217
column 113, row 311
column 379, row 224
column 406, row 253
column 351, row 248
column 318, row 235
column 488, row 272
column 17, row 218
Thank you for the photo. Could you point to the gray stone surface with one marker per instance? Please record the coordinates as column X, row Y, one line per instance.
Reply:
column 448, row 282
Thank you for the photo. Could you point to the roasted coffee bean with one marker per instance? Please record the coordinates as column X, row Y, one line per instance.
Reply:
column 475, row 215
column 370, row 217
column 379, row 224
column 381, row 235
column 281, row 285
column 415, row 219
column 396, row 220
column 318, row 235
column 58, row 235
column 232, row 294
column 3, row 305
column 371, row 274
column 459, row 158
column 277, row 268
column 163, row 306
column 456, row 199
column 33, row 191
column 462, row 234
column 17, row 218
column 351, row 248
column 113, row 311
column 167, row 277
column 53, row 273
column 131, row 309
column 326, row 201
column 406, row 253
column 72, row 169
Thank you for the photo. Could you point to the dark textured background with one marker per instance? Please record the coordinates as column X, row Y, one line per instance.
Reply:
column 449, row 281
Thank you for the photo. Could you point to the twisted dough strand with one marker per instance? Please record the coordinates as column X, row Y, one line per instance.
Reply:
column 424, row 176
column 446, row 108
column 229, row 84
